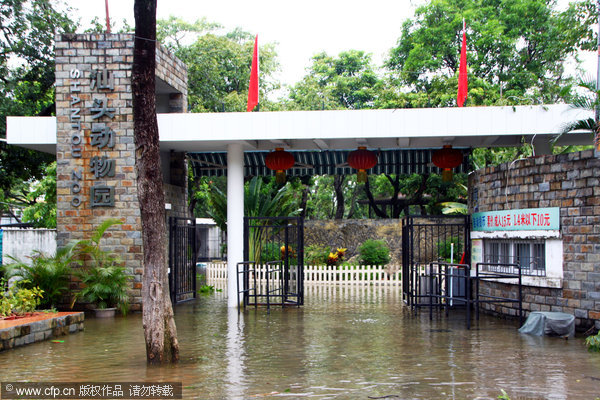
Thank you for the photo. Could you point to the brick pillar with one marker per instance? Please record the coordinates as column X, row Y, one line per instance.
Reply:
column 95, row 151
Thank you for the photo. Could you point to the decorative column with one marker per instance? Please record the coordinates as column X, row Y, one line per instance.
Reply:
column 235, row 218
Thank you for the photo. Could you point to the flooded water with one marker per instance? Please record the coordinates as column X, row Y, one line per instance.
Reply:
column 344, row 343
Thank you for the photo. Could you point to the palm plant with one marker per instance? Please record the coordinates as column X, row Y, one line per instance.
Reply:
column 260, row 200
column 587, row 100
column 49, row 273
column 105, row 280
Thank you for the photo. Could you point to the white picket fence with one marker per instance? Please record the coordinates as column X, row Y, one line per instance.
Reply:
column 321, row 274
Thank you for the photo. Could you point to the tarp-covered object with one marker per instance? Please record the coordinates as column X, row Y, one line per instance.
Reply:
column 549, row 323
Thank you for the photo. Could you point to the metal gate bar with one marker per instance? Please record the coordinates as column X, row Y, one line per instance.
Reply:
column 182, row 259
column 278, row 244
column 428, row 239
column 495, row 271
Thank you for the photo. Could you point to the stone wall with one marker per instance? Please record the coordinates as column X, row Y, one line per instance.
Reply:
column 95, row 151
column 572, row 183
column 351, row 233
column 44, row 328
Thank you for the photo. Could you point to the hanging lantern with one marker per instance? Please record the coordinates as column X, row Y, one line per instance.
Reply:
column 279, row 161
column 447, row 158
column 362, row 160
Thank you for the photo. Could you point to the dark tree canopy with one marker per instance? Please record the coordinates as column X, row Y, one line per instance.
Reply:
column 27, row 29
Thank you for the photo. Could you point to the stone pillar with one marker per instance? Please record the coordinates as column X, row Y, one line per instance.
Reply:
column 95, row 152
column 235, row 218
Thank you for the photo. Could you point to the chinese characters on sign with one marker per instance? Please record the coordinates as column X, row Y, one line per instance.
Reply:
column 518, row 220
column 102, row 137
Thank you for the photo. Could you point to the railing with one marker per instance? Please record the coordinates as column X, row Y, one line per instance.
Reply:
column 317, row 274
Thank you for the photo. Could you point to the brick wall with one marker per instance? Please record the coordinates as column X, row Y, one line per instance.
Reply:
column 572, row 183
column 95, row 152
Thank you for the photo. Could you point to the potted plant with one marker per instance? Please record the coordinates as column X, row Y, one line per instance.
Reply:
column 105, row 280
column 106, row 288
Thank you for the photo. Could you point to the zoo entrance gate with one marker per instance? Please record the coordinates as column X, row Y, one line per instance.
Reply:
column 434, row 252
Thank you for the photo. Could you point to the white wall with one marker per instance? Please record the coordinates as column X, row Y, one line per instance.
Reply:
column 21, row 243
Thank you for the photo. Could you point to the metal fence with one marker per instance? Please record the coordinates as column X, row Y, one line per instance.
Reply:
column 278, row 242
column 426, row 240
column 182, row 259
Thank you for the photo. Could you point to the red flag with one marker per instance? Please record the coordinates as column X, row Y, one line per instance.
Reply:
column 253, row 88
column 462, row 71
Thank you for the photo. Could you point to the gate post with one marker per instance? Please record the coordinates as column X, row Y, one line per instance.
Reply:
column 235, row 218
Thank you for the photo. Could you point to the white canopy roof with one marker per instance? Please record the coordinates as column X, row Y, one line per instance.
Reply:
column 345, row 129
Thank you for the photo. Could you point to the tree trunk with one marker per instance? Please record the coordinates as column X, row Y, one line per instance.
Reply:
column 338, row 186
column 159, row 325
column 378, row 211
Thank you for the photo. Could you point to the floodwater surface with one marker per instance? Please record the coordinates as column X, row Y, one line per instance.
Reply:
column 344, row 343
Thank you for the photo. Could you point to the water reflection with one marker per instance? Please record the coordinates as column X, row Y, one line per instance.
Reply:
column 235, row 354
column 345, row 343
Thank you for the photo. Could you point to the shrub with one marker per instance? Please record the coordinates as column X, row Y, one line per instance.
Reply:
column 19, row 299
column 51, row 274
column 374, row 252
column 593, row 342
column 445, row 249
column 316, row 254
column 106, row 281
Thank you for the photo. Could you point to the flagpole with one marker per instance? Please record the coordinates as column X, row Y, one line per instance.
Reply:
column 462, row 93
column 253, row 100
column 107, row 17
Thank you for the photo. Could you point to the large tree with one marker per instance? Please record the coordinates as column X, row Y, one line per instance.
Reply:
column 27, row 29
column 159, row 324
column 348, row 81
column 218, row 64
column 517, row 47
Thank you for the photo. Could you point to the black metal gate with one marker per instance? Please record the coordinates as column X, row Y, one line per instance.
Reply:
column 427, row 240
column 277, row 243
column 182, row 259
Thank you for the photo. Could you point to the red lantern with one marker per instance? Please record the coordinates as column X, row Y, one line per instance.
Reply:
column 447, row 158
column 362, row 160
column 279, row 161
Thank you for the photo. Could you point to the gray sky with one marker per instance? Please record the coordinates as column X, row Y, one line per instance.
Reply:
column 300, row 29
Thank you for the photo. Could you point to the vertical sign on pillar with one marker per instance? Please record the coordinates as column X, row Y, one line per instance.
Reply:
column 102, row 139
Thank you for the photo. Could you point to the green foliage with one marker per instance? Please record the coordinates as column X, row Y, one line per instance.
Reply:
column 504, row 395
column 19, row 299
column 454, row 208
column 42, row 212
column 586, row 99
column 348, row 81
column 50, row 273
column 208, row 289
column 270, row 252
column 27, row 84
column 106, row 287
column 374, row 252
column 218, row 64
column 106, row 281
column 316, row 254
column 517, row 45
column 593, row 342
column 445, row 249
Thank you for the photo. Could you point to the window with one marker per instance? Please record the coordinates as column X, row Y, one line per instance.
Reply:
column 527, row 254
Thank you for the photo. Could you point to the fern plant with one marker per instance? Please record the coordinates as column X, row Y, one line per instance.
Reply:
column 105, row 280
column 51, row 274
